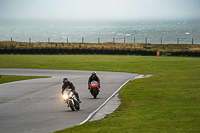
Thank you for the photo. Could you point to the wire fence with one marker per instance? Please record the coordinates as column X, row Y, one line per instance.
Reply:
column 124, row 40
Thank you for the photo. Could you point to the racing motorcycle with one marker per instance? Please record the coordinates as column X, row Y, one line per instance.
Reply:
column 94, row 88
column 71, row 100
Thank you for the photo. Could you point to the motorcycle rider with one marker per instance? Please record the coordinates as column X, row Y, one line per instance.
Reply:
column 69, row 85
column 95, row 78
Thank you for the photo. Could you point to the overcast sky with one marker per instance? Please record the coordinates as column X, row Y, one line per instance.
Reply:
column 100, row 9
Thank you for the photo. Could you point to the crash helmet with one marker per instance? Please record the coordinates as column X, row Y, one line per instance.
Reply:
column 65, row 80
column 93, row 74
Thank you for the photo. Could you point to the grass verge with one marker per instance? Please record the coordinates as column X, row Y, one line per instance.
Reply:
column 11, row 78
column 108, row 45
column 169, row 101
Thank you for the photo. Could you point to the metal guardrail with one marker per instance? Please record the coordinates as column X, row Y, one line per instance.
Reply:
column 90, row 51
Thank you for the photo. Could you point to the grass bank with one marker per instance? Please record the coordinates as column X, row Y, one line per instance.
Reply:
column 169, row 101
column 100, row 46
column 11, row 78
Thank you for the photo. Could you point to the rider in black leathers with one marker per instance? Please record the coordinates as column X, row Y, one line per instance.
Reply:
column 69, row 85
column 93, row 77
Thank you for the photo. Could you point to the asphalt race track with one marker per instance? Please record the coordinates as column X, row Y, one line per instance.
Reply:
column 36, row 106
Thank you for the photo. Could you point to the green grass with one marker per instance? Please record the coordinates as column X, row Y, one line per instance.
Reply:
column 11, row 78
column 169, row 101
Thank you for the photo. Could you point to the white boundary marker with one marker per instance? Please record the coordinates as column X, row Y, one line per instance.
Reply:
column 94, row 112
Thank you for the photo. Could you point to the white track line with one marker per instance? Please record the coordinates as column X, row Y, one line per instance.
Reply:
column 94, row 112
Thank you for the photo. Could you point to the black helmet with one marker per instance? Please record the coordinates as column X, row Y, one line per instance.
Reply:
column 93, row 74
column 65, row 80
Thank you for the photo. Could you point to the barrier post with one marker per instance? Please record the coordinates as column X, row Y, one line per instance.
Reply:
column 158, row 53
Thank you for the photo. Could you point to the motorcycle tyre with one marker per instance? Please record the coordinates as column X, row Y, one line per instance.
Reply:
column 71, row 105
column 77, row 105
column 94, row 92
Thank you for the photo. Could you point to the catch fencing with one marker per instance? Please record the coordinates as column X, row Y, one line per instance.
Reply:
column 146, row 41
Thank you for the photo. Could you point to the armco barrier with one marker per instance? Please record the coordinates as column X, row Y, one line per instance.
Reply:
column 132, row 52
column 126, row 52
column 51, row 51
column 8, row 51
column 21, row 51
column 184, row 53
column 45, row 51
column 174, row 53
column 194, row 54
column 86, row 51
column 15, row 51
column 26, row 51
column 153, row 53
column 80, row 51
column 189, row 54
column 33, row 51
column 143, row 52
column 198, row 54
column 148, row 53
column 92, row 51
column 39, row 51
column 57, row 51
column 97, row 51
column 137, row 52
column 2, row 51
column 63, row 51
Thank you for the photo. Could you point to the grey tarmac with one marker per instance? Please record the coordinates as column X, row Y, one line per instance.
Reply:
column 36, row 106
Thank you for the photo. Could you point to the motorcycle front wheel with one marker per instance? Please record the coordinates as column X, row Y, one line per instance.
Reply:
column 71, row 105
column 94, row 92
column 77, row 105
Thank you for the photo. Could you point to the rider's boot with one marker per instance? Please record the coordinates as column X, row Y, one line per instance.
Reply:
column 79, row 100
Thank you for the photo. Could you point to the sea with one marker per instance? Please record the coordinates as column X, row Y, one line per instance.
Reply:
column 94, row 31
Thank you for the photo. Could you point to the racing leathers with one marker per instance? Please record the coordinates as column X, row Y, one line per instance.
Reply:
column 93, row 78
column 69, row 85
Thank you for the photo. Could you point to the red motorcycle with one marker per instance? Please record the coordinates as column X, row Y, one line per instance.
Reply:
column 94, row 88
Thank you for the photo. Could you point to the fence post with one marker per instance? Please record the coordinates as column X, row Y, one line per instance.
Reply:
column 134, row 39
column 124, row 40
column 48, row 40
column 192, row 40
column 67, row 39
column 113, row 40
column 98, row 40
column 29, row 40
column 177, row 40
column 11, row 39
column 146, row 40
column 161, row 40
column 82, row 39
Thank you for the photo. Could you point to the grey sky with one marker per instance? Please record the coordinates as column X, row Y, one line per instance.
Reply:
column 100, row 9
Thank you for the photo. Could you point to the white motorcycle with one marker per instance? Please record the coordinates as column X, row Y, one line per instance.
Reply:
column 71, row 100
